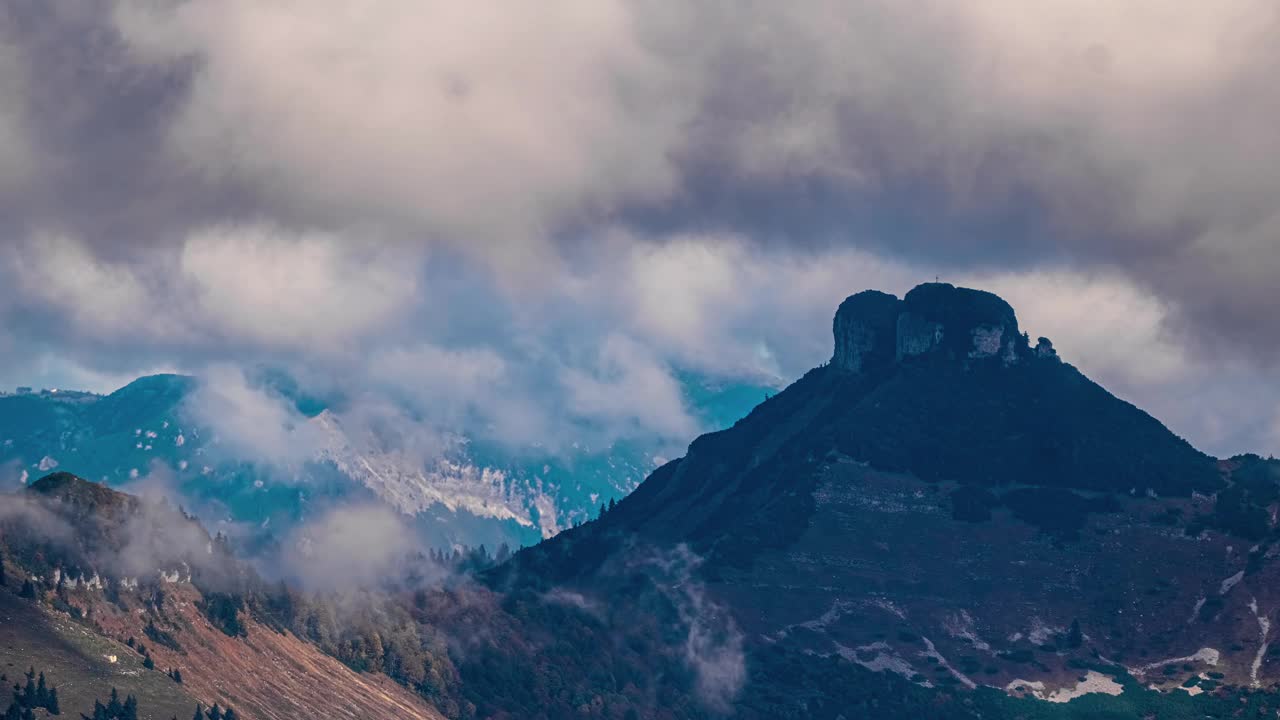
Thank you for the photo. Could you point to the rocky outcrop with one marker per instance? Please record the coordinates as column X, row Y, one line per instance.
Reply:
column 875, row 329
column 917, row 335
column 865, row 327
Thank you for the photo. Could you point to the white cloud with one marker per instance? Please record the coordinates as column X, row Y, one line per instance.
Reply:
column 479, row 121
column 629, row 392
column 436, row 376
column 247, row 285
column 1102, row 322
column 350, row 547
column 100, row 299
column 16, row 161
column 251, row 422
column 677, row 289
column 724, row 304
column 1128, row 341
column 275, row 288
column 1132, row 144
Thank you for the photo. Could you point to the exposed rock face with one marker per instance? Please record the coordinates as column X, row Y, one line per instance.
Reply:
column 875, row 329
column 1044, row 349
column 917, row 336
column 987, row 341
column 968, row 318
column 865, row 326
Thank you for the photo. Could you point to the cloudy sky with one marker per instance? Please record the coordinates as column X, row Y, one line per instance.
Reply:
column 528, row 216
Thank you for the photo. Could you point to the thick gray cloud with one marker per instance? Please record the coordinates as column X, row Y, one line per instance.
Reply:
column 522, row 219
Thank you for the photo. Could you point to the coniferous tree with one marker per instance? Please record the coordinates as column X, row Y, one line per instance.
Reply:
column 376, row 653
column 99, row 711
column 130, row 709
column 1075, row 637
column 113, row 706
column 230, row 715
column 28, row 590
column 42, row 692
column 215, row 712
column 148, row 663
column 52, row 705
column 199, row 713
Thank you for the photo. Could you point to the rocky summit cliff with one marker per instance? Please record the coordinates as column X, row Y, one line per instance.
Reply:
column 874, row 330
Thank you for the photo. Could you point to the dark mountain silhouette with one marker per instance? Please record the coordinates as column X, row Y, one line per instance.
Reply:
column 940, row 386
column 949, row 505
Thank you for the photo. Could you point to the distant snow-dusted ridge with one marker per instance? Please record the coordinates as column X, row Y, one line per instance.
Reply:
column 413, row 486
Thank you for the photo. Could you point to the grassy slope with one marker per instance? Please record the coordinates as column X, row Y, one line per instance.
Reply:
column 72, row 658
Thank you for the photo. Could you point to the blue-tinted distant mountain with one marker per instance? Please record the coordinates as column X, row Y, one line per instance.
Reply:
column 473, row 493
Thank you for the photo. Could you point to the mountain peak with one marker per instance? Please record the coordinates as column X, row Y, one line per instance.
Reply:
column 874, row 329
column 64, row 483
column 76, row 491
column 865, row 329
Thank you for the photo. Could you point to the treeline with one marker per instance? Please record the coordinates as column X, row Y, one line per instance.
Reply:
column 114, row 709
column 36, row 694
column 214, row 713
column 371, row 632
column 466, row 559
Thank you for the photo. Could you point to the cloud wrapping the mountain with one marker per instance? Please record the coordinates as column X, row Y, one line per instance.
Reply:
column 249, row 421
column 144, row 541
column 628, row 387
column 354, row 548
column 713, row 646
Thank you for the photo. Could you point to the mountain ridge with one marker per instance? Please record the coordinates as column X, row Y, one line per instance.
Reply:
column 957, row 505
column 942, row 521
column 986, row 411
column 464, row 492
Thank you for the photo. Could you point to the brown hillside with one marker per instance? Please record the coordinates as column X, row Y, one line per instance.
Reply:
column 266, row 675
